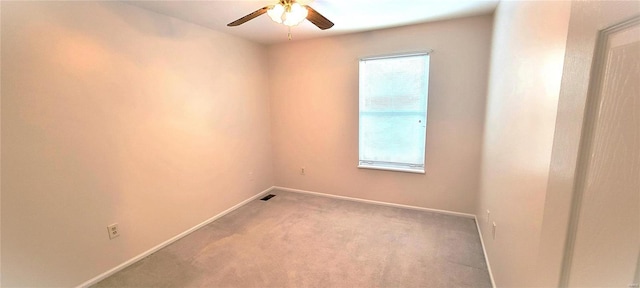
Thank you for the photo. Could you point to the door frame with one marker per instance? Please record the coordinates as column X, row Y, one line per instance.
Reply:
column 592, row 107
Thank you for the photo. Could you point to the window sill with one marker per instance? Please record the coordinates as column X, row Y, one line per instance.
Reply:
column 396, row 169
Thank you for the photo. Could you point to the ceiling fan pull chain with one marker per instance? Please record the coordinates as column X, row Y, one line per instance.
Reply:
column 289, row 32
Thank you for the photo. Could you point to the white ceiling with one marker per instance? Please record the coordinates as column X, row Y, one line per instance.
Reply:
column 348, row 15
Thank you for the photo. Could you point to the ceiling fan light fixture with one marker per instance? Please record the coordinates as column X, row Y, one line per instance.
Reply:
column 290, row 14
column 295, row 15
column 276, row 12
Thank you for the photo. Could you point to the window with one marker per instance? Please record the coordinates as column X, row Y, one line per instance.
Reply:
column 393, row 112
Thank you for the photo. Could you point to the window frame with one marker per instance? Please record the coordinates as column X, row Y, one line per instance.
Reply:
column 392, row 166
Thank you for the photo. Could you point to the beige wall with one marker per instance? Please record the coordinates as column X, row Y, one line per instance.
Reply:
column 314, row 101
column 526, row 67
column 115, row 114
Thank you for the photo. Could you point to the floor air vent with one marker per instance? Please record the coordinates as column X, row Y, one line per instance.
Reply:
column 266, row 198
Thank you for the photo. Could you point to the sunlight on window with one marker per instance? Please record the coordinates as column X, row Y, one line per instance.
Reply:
column 393, row 112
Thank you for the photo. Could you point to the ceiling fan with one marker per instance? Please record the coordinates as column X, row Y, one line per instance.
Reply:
column 289, row 13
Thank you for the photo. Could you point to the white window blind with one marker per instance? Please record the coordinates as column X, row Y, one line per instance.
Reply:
column 393, row 112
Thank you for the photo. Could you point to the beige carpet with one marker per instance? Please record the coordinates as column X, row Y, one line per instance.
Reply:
column 299, row 240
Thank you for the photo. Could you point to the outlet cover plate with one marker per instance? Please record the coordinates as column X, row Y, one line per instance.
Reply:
column 113, row 230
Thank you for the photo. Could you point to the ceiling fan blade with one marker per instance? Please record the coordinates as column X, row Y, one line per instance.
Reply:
column 317, row 19
column 250, row 16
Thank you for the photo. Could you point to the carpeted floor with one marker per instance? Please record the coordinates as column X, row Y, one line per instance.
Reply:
column 299, row 240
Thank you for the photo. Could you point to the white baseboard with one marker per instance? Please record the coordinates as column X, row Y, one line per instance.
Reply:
column 484, row 250
column 166, row 243
column 376, row 202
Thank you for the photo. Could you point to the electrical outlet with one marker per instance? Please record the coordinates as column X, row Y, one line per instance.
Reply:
column 488, row 216
column 302, row 171
column 494, row 231
column 113, row 230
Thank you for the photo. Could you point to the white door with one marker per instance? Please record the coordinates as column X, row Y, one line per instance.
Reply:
column 605, row 248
